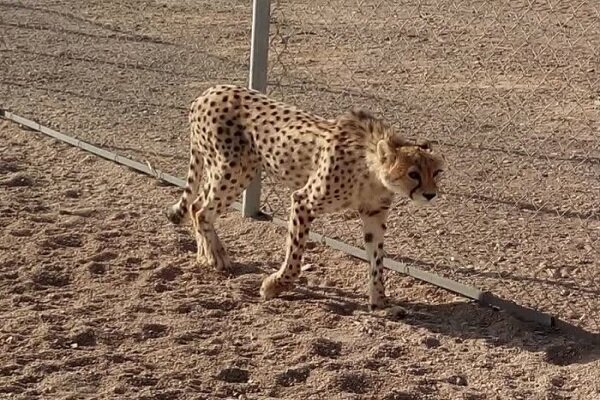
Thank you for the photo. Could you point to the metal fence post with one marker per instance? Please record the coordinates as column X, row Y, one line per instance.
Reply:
column 259, row 51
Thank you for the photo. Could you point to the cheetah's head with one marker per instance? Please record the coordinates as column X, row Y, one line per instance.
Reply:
column 410, row 169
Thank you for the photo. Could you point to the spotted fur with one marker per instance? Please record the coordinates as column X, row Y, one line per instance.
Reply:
column 354, row 161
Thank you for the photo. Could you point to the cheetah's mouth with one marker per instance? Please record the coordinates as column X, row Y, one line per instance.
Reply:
column 412, row 192
column 423, row 201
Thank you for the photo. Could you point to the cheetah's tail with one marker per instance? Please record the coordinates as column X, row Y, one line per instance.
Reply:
column 180, row 211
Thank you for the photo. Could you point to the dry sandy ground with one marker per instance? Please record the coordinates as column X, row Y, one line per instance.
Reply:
column 510, row 89
column 100, row 299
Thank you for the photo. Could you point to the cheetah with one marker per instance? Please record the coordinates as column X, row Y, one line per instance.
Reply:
column 355, row 161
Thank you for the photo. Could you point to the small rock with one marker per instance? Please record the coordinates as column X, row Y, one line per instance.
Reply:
column 562, row 354
column 23, row 232
column 326, row 348
column 50, row 275
column 311, row 245
column 353, row 382
column 154, row 331
column 302, row 280
column 17, row 180
column 81, row 212
column 71, row 222
column 104, row 256
column 65, row 240
column 160, row 287
column 458, row 380
column 430, row 342
column 388, row 350
column 8, row 166
column 168, row 273
column 396, row 313
column 120, row 389
column 401, row 395
column 184, row 308
column 557, row 381
column 292, row 376
column 85, row 337
column 473, row 396
column 96, row 268
column 308, row 267
column 417, row 371
column 233, row 375
column 72, row 193
column 89, row 159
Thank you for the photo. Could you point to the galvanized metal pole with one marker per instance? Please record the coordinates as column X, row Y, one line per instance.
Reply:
column 259, row 52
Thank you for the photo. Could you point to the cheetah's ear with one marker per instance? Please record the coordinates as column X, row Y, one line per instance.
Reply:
column 396, row 141
column 385, row 152
column 424, row 144
column 361, row 115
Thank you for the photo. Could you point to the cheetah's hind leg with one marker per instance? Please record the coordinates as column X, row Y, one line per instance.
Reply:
column 219, row 192
column 180, row 212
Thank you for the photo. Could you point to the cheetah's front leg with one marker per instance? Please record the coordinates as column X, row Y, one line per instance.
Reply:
column 299, row 226
column 374, row 230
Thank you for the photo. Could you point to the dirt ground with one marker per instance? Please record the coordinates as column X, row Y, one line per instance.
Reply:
column 510, row 90
column 100, row 298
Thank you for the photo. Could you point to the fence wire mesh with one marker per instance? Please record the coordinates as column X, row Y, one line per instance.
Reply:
column 121, row 74
column 509, row 90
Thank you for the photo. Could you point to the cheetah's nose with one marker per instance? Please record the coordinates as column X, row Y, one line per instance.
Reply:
column 429, row 196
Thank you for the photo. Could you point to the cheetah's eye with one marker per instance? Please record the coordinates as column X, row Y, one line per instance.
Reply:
column 437, row 172
column 414, row 175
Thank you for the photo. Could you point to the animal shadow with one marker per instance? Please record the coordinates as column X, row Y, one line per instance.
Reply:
column 465, row 320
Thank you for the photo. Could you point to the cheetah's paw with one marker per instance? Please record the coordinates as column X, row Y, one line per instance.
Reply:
column 378, row 303
column 272, row 286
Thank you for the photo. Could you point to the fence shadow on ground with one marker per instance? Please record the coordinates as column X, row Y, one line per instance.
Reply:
column 461, row 321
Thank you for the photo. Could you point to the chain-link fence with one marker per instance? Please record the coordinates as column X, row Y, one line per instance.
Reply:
column 509, row 89
column 121, row 74
column 511, row 92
